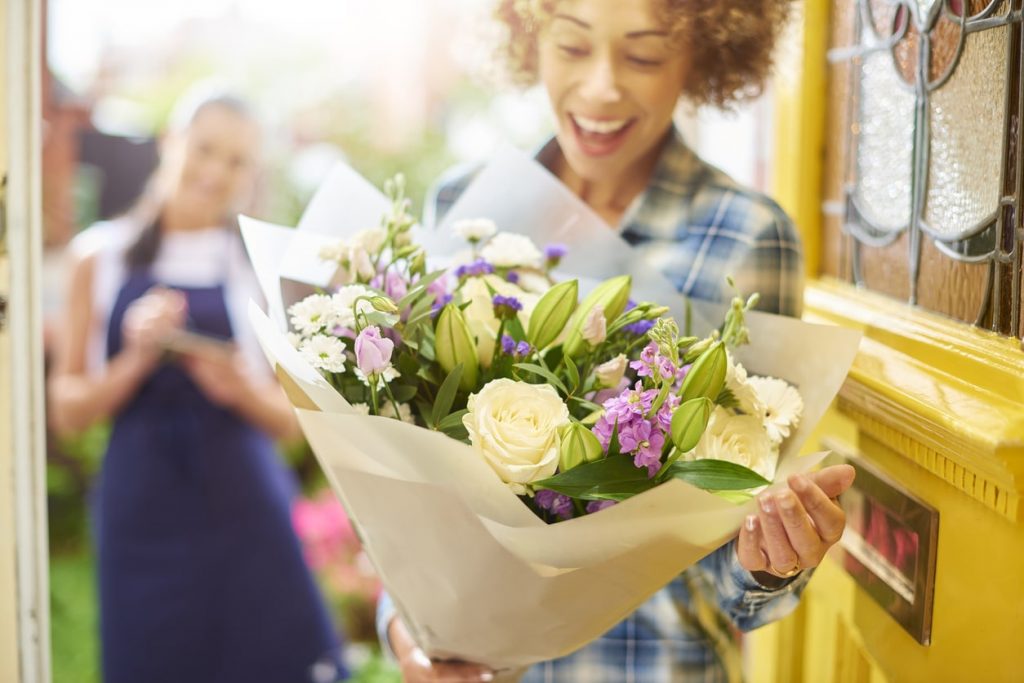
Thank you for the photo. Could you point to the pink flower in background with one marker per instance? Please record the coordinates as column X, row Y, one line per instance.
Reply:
column 373, row 352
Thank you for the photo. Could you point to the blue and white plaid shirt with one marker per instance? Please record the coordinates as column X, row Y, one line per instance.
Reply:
column 695, row 225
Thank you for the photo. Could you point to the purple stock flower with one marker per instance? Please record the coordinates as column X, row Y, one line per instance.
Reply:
column 653, row 364
column 506, row 307
column 667, row 410
column 598, row 505
column 557, row 503
column 648, row 452
column 627, row 410
column 474, row 269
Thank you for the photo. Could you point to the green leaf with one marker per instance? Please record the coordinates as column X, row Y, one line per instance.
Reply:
column 543, row 372
column 452, row 420
column 457, row 432
column 727, row 399
column 572, row 373
column 613, row 443
column 403, row 393
column 515, row 329
column 589, row 405
column 606, row 479
column 716, row 475
column 689, row 422
column 446, row 395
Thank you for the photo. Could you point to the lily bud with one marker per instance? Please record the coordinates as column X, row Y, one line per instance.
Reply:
column 578, row 445
column 612, row 295
column 454, row 344
column 707, row 376
column 384, row 304
column 689, row 422
column 551, row 314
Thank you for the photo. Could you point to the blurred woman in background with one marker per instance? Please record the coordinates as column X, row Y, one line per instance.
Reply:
column 201, row 577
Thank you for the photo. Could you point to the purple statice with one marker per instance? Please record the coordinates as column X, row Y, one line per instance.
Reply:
column 556, row 503
column 524, row 349
column 440, row 303
column 506, row 307
column 639, row 328
column 512, row 276
column 509, row 347
column 554, row 253
column 474, row 269
column 598, row 505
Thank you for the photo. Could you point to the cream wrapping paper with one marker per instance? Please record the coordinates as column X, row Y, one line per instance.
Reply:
column 474, row 574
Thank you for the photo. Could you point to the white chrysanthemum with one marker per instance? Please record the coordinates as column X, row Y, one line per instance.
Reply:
column 737, row 382
column 344, row 302
column 475, row 229
column 371, row 239
column 740, row 439
column 295, row 339
column 313, row 314
column 404, row 412
column 385, row 376
column 783, row 406
column 324, row 352
column 509, row 250
column 361, row 408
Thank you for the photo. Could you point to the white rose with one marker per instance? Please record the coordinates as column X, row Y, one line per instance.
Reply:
column 515, row 426
column 740, row 439
column 475, row 229
column 509, row 250
column 480, row 312
column 746, row 394
column 610, row 373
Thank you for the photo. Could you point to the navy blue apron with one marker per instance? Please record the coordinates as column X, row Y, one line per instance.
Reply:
column 201, row 576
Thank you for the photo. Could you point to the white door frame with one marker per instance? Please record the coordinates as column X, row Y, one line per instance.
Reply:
column 23, row 436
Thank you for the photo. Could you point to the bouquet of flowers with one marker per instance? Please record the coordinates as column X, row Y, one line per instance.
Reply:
column 473, row 393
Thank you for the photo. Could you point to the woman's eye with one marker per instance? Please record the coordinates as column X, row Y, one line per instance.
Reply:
column 645, row 62
column 572, row 50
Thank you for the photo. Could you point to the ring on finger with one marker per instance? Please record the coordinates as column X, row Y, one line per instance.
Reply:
column 787, row 573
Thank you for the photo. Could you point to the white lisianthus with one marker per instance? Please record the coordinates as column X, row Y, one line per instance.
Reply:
column 480, row 313
column 740, row 439
column 510, row 250
column 359, row 263
column 533, row 282
column 336, row 251
column 738, row 383
column 595, row 327
column 313, row 314
column 475, row 229
column 783, row 406
column 324, row 352
column 344, row 301
column 514, row 426
column 370, row 240
column 610, row 373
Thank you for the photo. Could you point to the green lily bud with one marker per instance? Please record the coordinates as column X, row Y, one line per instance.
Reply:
column 384, row 304
column 418, row 264
column 612, row 295
column 578, row 445
column 454, row 344
column 689, row 422
column 707, row 376
column 551, row 314
column 697, row 348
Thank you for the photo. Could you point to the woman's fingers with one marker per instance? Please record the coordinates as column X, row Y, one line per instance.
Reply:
column 828, row 517
column 782, row 557
column 803, row 537
column 748, row 546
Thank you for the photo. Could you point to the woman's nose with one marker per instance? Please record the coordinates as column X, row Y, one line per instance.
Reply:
column 601, row 82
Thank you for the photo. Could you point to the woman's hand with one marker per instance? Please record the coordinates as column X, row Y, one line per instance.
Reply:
column 416, row 667
column 795, row 527
column 222, row 379
column 149, row 320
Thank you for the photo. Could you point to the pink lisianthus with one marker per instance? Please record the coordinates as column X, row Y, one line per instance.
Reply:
column 373, row 352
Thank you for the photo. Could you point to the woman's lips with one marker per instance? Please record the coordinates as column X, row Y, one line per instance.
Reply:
column 600, row 137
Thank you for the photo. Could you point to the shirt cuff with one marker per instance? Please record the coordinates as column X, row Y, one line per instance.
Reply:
column 385, row 613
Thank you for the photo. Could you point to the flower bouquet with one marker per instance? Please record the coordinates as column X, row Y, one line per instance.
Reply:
column 524, row 408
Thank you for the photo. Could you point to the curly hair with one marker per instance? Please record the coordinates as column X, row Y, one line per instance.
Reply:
column 731, row 43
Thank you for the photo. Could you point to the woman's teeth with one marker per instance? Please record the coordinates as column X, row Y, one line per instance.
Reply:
column 605, row 127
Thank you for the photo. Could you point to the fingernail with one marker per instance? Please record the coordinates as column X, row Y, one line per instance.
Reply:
column 751, row 522
column 767, row 504
column 487, row 676
column 787, row 502
column 799, row 483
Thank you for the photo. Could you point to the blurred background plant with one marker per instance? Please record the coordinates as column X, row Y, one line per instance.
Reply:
column 387, row 86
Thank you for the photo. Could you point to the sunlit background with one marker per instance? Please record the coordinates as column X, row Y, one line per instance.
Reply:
column 387, row 86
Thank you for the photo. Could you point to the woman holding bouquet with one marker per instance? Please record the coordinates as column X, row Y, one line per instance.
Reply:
column 614, row 72
column 201, row 577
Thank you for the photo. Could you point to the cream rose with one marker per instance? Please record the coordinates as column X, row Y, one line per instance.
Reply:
column 480, row 313
column 741, row 439
column 515, row 426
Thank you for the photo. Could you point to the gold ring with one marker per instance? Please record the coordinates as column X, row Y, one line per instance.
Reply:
column 787, row 574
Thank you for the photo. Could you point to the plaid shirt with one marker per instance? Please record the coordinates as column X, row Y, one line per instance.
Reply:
column 695, row 225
